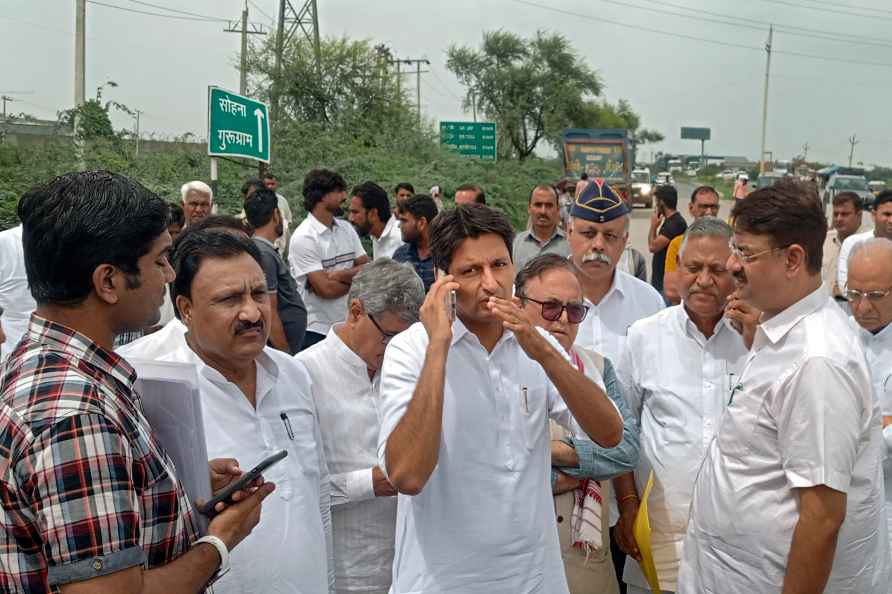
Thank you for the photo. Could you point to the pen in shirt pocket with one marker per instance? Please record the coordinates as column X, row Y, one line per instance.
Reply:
column 287, row 423
column 526, row 401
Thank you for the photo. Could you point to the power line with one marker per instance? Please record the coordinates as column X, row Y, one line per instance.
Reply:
column 155, row 14
column 700, row 39
column 177, row 11
column 261, row 11
column 829, row 10
column 445, row 86
column 871, row 8
column 788, row 29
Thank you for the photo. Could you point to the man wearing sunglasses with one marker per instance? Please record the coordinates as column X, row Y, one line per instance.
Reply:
column 465, row 404
column 869, row 292
column 789, row 495
column 678, row 406
column 383, row 301
column 548, row 287
column 599, row 231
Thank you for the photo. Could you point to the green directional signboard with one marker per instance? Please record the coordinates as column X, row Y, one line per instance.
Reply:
column 237, row 126
column 470, row 139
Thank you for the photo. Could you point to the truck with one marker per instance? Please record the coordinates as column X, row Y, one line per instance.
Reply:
column 604, row 153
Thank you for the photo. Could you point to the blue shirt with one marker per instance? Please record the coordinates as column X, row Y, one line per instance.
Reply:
column 408, row 254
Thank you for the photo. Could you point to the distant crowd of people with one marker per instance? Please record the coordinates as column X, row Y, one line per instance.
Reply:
column 466, row 409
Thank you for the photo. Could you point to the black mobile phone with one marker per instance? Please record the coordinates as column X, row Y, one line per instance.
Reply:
column 242, row 483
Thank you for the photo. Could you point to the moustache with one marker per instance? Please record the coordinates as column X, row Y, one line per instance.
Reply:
column 243, row 327
column 597, row 257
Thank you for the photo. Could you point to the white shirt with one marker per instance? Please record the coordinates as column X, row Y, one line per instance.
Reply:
column 677, row 384
column 484, row 522
column 15, row 297
column 315, row 247
column 362, row 524
column 156, row 345
column 391, row 239
column 287, row 551
column 802, row 415
column 605, row 327
column 842, row 269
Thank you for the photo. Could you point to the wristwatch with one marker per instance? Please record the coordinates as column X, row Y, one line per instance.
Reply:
column 221, row 550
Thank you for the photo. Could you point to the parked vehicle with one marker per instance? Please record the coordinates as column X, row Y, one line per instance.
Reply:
column 876, row 186
column 769, row 178
column 848, row 183
column 642, row 188
column 664, row 178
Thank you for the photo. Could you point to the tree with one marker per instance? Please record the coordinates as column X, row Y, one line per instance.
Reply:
column 355, row 89
column 534, row 89
column 93, row 118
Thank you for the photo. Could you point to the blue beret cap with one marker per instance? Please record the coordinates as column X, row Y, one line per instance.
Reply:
column 598, row 203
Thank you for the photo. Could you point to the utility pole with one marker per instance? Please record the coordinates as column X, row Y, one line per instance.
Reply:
column 474, row 105
column 417, row 72
column 805, row 152
column 137, row 131
column 306, row 19
column 80, row 51
column 5, row 98
column 852, row 142
column 244, row 31
column 765, row 98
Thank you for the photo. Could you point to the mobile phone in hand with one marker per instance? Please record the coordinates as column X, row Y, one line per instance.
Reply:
column 240, row 484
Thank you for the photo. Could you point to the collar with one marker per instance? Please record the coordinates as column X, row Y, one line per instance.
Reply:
column 618, row 285
column 884, row 336
column 558, row 232
column 267, row 372
column 690, row 328
column 264, row 240
column 389, row 226
column 345, row 353
column 777, row 327
column 413, row 252
column 59, row 337
column 460, row 331
column 318, row 226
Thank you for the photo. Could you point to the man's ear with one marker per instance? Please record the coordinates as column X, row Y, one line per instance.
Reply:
column 184, row 306
column 108, row 282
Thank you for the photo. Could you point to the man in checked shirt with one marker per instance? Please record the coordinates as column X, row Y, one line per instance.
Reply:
column 89, row 501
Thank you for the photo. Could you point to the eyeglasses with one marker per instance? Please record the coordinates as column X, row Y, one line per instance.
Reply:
column 553, row 310
column 854, row 295
column 747, row 258
column 385, row 336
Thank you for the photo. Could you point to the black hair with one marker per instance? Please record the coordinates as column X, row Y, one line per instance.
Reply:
column 176, row 215
column 421, row 206
column 848, row 197
column 698, row 190
column 668, row 196
column 79, row 221
column 259, row 208
column 453, row 226
column 373, row 197
column 479, row 196
column 584, row 176
column 193, row 248
column 219, row 222
column 253, row 182
column 318, row 183
column 883, row 197
column 547, row 188
column 404, row 186
column 270, row 175
column 789, row 212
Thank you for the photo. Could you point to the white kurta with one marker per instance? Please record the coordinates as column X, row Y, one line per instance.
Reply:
column 677, row 383
column 362, row 524
column 878, row 348
column 802, row 415
column 15, row 297
column 154, row 346
column 605, row 327
column 288, row 551
column 484, row 522
column 391, row 239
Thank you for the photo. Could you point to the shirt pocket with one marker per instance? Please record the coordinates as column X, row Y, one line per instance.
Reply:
column 302, row 463
column 533, row 406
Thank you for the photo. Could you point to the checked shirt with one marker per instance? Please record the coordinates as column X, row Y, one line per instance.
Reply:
column 85, row 490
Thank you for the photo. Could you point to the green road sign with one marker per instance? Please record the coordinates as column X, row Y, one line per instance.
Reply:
column 237, row 126
column 688, row 133
column 470, row 139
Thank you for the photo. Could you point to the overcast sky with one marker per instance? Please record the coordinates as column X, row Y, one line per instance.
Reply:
column 163, row 66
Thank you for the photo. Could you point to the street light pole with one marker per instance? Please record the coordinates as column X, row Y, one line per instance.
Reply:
column 765, row 99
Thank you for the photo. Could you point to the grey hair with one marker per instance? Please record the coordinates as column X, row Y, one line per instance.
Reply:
column 384, row 286
column 870, row 246
column 706, row 227
column 196, row 186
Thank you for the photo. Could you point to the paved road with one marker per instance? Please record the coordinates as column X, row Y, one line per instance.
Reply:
column 641, row 220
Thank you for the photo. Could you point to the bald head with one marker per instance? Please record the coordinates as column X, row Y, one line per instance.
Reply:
column 869, row 283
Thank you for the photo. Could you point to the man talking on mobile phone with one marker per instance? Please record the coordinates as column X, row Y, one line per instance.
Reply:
column 464, row 435
column 89, row 501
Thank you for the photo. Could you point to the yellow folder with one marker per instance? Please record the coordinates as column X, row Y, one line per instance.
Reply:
column 642, row 538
